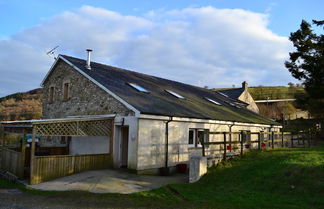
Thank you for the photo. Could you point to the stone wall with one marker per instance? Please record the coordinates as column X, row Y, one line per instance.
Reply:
column 247, row 98
column 85, row 98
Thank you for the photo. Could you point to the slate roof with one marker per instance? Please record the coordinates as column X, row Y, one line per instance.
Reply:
column 234, row 93
column 159, row 102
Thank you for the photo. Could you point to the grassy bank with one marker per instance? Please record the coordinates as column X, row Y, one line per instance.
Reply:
column 281, row 178
column 272, row 179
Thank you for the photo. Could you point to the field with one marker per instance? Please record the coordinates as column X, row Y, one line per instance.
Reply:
column 280, row 178
column 275, row 92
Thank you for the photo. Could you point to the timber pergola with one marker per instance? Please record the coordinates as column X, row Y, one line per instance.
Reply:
column 97, row 125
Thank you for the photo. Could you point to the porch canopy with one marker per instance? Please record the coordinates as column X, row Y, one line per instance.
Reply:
column 43, row 168
column 98, row 125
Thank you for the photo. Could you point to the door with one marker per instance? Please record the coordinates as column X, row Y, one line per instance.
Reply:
column 124, row 146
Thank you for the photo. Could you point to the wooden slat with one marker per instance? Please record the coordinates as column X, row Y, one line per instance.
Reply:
column 50, row 167
column 12, row 162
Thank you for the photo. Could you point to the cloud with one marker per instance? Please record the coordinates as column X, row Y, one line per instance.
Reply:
column 200, row 46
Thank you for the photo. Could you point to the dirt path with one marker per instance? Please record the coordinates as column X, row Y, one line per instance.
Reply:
column 16, row 199
column 35, row 199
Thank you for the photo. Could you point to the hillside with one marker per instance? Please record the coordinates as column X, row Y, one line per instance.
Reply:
column 276, row 92
column 22, row 105
column 272, row 92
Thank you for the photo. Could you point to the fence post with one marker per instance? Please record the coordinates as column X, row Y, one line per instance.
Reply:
column 309, row 139
column 203, row 149
column 32, row 159
column 272, row 136
column 2, row 135
column 230, row 140
column 224, row 145
column 259, row 141
column 304, row 140
column 203, row 143
column 292, row 139
column 242, row 132
column 23, row 152
column 282, row 139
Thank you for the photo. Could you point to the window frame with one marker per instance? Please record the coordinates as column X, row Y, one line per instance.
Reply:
column 175, row 94
column 66, row 91
column 138, row 87
column 221, row 93
column 247, row 136
column 51, row 94
column 213, row 101
column 196, row 141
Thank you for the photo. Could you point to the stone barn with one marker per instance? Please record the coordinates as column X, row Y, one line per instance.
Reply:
column 157, row 122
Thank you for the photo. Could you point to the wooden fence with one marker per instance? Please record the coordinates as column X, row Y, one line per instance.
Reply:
column 12, row 161
column 264, row 139
column 50, row 167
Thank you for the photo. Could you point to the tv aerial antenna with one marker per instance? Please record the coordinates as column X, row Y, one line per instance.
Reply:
column 51, row 53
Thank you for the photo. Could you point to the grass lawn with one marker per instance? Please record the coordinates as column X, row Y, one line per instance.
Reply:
column 280, row 178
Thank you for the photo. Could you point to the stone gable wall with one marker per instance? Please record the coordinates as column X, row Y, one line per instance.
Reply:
column 85, row 98
column 247, row 98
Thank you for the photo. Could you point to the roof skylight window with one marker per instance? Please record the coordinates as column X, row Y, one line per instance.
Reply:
column 138, row 88
column 222, row 94
column 175, row 94
column 212, row 101
column 230, row 103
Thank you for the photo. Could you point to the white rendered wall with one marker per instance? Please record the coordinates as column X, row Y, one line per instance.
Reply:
column 89, row 145
column 151, row 141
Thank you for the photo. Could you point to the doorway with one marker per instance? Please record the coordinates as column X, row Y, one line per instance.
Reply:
column 124, row 146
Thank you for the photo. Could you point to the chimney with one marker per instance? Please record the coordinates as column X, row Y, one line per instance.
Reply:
column 88, row 59
column 245, row 85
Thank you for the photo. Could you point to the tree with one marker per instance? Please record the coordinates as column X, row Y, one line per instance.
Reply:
column 307, row 65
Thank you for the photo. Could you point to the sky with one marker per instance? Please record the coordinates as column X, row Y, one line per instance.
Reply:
column 214, row 43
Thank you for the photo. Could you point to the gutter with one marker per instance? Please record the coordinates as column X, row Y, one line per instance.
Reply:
column 197, row 120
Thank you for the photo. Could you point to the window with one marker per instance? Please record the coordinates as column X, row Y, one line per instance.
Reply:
column 66, row 91
column 175, row 94
column 212, row 101
column 246, row 136
column 51, row 94
column 230, row 103
column 192, row 137
column 196, row 136
column 222, row 94
column 262, row 136
column 200, row 136
column 138, row 88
